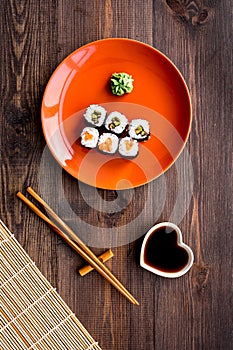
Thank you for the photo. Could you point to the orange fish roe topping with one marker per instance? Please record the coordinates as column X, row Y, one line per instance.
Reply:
column 87, row 136
column 106, row 145
column 129, row 144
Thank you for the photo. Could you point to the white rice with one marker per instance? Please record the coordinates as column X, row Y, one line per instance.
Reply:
column 134, row 124
column 108, row 143
column 128, row 147
column 89, row 137
column 119, row 119
column 95, row 115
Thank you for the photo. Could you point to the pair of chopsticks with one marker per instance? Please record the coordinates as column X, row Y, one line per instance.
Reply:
column 74, row 241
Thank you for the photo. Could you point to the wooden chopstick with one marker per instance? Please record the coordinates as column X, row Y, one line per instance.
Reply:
column 76, row 239
column 103, row 257
column 82, row 249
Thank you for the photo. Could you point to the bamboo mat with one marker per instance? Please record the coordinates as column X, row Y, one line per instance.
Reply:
column 32, row 314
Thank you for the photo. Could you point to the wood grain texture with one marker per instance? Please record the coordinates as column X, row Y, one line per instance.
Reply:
column 189, row 313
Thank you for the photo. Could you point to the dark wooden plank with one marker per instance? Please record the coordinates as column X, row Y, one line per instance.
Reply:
column 202, row 37
column 27, row 53
column 192, row 312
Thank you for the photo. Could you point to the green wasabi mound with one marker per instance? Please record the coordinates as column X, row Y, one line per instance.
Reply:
column 121, row 83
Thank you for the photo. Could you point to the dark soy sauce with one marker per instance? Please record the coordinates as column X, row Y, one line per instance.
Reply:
column 162, row 251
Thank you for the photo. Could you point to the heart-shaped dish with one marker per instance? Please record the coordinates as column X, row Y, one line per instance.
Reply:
column 164, row 253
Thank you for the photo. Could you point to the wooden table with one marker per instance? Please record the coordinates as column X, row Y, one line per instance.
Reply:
column 192, row 312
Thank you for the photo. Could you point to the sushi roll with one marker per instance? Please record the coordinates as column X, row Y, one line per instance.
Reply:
column 95, row 115
column 128, row 147
column 116, row 122
column 108, row 143
column 139, row 129
column 89, row 137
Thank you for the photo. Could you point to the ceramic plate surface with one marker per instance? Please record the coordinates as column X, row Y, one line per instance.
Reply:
column 160, row 96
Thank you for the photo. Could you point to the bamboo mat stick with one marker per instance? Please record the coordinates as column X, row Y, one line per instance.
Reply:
column 33, row 315
column 81, row 249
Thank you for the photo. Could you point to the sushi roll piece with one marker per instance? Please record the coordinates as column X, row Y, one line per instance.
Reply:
column 89, row 137
column 108, row 143
column 116, row 122
column 95, row 115
column 139, row 129
column 128, row 147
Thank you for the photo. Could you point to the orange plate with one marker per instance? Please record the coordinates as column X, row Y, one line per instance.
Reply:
column 160, row 95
